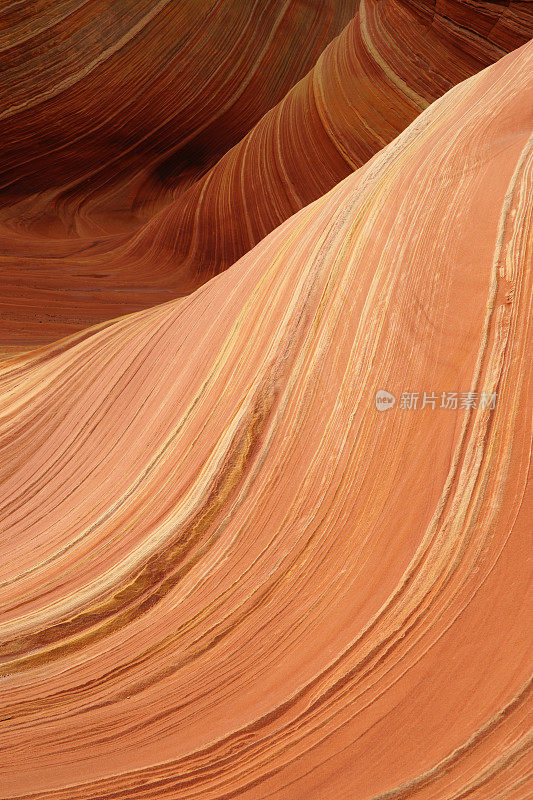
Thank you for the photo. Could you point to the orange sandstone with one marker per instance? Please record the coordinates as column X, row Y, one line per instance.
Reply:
column 224, row 572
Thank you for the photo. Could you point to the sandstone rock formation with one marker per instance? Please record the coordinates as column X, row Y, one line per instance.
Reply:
column 225, row 573
column 113, row 112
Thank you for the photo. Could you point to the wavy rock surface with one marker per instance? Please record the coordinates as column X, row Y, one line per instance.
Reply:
column 389, row 64
column 224, row 572
column 108, row 110
column 106, row 106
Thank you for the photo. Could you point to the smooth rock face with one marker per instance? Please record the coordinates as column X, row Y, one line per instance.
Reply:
column 226, row 570
column 119, row 185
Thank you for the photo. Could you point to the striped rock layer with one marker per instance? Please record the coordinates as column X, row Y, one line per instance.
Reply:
column 224, row 572
column 104, row 105
column 112, row 112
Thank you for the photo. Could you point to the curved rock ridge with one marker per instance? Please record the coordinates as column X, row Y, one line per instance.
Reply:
column 386, row 67
column 225, row 572
column 390, row 62
column 109, row 106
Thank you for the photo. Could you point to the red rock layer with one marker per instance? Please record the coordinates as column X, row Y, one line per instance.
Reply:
column 388, row 65
column 106, row 105
column 224, row 572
